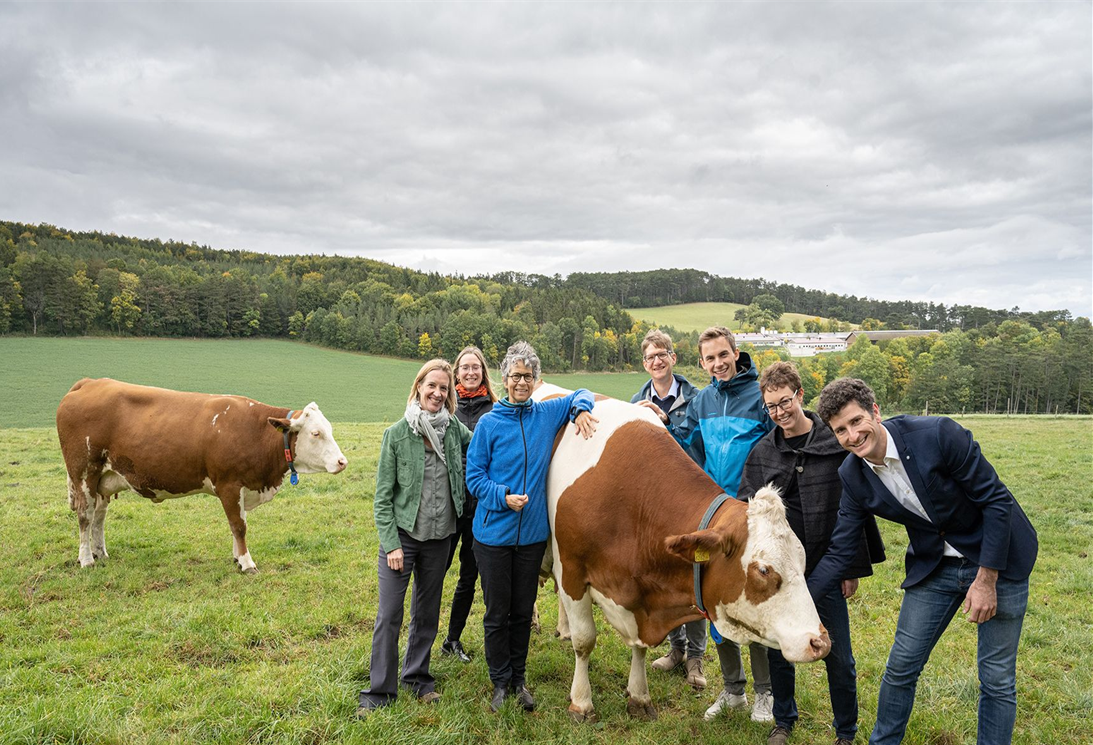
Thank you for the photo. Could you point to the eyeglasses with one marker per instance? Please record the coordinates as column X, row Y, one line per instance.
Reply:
column 662, row 356
column 470, row 368
column 517, row 377
column 782, row 405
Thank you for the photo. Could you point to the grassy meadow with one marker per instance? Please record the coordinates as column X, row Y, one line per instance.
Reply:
column 167, row 642
column 700, row 316
column 349, row 387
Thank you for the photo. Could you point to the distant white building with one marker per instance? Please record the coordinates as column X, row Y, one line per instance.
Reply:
column 809, row 345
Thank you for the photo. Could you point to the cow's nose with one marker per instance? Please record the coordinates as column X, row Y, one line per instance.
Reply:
column 342, row 463
column 820, row 645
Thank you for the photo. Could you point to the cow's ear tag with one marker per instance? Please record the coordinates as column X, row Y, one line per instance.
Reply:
column 701, row 555
column 294, row 479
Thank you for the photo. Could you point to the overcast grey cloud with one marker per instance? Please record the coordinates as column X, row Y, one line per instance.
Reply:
column 935, row 152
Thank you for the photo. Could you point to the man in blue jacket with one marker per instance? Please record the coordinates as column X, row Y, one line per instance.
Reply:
column 507, row 467
column 724, row 421
column 667, row 395
column 970, row 547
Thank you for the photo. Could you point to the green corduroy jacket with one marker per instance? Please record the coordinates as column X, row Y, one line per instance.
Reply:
column 401, row 471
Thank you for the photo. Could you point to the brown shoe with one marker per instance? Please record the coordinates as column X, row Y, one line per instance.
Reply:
column 695, row 678
column 670, row 661
column 429, row 698
column 778, row 736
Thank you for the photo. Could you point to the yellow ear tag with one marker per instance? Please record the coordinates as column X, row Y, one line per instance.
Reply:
column 701, row 555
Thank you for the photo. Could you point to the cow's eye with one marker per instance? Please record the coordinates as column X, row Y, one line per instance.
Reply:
column 764, row 570
column 315, row 433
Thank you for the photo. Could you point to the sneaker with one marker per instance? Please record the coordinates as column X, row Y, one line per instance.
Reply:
column 695, row 678
column 670, row 661
column 843, row 741
column 429, row 698
column 455, row 648
column 726, row 702
column 778, row 736
column 763, row 708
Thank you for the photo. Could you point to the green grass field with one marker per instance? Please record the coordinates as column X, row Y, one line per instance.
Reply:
column 700, row 316
column 166, row 642
column 348, row 387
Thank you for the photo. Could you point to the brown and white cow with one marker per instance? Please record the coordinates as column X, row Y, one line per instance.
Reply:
column 164, row 444
column 624, row 510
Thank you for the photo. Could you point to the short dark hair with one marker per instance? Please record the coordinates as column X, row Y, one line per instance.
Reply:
column 714, row 332
column 838, row 393
column 780, row 375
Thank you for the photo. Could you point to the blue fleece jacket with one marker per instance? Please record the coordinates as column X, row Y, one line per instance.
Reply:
column 510, row 454
column 724, row 421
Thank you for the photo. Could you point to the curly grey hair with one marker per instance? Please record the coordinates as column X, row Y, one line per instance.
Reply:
column 523, row 352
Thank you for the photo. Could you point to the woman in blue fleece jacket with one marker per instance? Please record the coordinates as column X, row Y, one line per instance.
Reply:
column 507, row 469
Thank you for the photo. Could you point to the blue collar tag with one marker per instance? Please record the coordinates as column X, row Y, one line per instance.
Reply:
column 715, row 634
column 294, row 479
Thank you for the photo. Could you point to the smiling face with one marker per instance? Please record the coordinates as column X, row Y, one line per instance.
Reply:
column 860, row 431
column 433, row 391
column 658, row 362
column 519, row 383
column 468, row 371
column 718, row 358
column 784, row 408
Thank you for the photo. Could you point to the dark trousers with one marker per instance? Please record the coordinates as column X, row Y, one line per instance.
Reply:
column 463, row 540
column 842, row 676
column 510, row 582
column 425, row 561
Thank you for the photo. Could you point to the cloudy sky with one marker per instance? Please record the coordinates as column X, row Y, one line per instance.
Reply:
column 938, row 152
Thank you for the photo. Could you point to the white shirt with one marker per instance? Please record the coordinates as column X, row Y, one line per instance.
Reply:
column 894, row 476
column 673, row 391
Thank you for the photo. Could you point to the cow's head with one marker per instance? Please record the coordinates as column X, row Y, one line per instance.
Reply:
column 316, row 449
column 754, row 578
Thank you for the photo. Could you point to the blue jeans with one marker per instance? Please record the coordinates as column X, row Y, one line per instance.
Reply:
column 842, row 674
column 926, row 610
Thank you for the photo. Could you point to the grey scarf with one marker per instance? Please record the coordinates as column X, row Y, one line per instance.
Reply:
column 428, row 425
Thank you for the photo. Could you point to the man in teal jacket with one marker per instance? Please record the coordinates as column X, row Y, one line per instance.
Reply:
column 724, row 421
column 507, row 467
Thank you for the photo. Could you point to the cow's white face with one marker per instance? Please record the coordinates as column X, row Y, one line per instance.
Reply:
column 773, row 606
column 316, row 449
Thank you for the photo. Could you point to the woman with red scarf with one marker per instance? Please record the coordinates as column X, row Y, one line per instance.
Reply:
column 474, row 397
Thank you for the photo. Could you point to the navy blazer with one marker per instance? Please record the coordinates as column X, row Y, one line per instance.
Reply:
column 969, row 506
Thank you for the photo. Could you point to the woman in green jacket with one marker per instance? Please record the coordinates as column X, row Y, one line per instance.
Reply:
column 419, row 496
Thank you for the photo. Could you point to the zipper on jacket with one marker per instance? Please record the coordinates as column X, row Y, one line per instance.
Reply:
column 520, row 517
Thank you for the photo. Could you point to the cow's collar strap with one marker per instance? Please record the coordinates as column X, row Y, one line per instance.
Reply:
column 714, row 505
column 294, row 478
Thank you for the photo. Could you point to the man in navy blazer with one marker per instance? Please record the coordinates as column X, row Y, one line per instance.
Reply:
column 970, row 546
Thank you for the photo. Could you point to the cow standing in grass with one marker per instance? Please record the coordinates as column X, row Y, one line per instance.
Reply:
column 164, row 444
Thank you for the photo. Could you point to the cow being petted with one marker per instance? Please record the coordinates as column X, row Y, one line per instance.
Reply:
column 625, row 509
column 165, row 444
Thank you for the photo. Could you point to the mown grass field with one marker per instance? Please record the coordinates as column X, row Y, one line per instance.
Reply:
column 348, row 387
column 700, row 316
column 166, row 642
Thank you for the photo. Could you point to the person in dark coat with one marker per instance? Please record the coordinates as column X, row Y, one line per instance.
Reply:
column 474, row 397
column 970, row 547
column 801, row 457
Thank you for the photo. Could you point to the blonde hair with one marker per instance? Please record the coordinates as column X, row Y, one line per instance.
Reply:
column 657, row 338
column 486, row 379
column 428, row 367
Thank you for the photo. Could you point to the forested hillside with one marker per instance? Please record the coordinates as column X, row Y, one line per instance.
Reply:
column 59, row 282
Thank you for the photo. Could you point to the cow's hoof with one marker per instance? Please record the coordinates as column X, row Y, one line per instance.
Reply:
column 583, row 717
column 645, row 711
column 250, row 570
